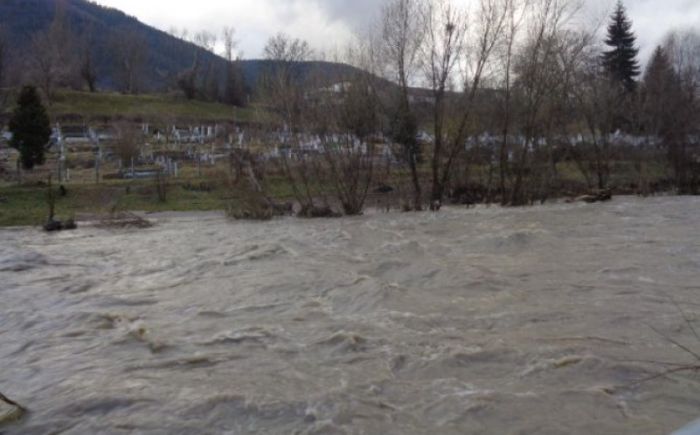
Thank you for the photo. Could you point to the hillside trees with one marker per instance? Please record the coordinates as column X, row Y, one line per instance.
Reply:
column 206, row 78
column 52, row 57
column 2, row 57
column 234, row 92
column 187, row 79
column 87, row 62
column 282, row 82
column 130, row 51
column 209, row 80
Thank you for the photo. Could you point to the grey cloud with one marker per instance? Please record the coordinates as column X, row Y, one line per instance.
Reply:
column 328, row 21
column 356, row 13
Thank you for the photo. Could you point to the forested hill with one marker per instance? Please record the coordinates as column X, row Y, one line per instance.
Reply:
column 102, row 29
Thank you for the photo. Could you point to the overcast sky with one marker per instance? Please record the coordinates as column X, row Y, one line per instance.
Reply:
column 327, row 24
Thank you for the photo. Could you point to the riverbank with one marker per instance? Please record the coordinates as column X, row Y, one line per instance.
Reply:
column 26, row 205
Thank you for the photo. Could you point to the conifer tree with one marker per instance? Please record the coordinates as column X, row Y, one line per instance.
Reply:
column 30, row 128
column 621, row 61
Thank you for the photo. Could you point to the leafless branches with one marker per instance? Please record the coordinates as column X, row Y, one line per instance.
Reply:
column 130, row 54
column 128, row 143
column 402, row 31
column 52, row 58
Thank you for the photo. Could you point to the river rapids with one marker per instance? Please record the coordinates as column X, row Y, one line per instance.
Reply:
column 548, row 320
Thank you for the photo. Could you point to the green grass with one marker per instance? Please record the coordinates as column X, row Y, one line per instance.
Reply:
column 27, row 206
column 148, row 107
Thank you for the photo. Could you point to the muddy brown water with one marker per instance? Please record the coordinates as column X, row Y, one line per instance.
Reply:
column 537, row 320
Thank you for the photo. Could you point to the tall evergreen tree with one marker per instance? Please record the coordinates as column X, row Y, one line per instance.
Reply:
column 30, row 128
column 659, row 93
column 621, row 60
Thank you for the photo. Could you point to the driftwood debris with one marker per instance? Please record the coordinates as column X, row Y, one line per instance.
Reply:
column 593, row 197
column 15, row 413
column 123, row 219
column 53, row 225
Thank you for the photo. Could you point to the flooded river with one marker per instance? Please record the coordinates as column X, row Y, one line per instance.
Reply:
column 538, row 320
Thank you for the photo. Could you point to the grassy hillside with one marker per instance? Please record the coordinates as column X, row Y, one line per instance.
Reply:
column 103, row 28
column 151, row 107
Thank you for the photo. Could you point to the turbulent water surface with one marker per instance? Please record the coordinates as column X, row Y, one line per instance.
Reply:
column 540, row 320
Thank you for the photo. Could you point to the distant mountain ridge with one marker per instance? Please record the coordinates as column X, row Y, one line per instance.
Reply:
column 168, row 56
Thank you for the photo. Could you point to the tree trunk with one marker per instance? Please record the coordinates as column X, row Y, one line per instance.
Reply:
column 417, row 193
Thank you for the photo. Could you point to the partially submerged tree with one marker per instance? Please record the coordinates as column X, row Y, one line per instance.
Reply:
column 402, row 31
column 30, row 128
column 538, row 68
column 446, row 29
column 515, row 13
column 452, row 43
column 345, row 116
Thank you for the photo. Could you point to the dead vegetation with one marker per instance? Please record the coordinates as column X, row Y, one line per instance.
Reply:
column 693, row 366
column 122, row 219
column 253, row 202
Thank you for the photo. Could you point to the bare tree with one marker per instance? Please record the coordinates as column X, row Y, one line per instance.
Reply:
column 285, row 88
column 88, row 66
column 446, row 32
column 3, row 95
column 515, row 15
column 52, row 55
column 2, row 57
column 597, row 104
column 209, row 81
column 183, row 34
column 538, row 70
column 187, row 79
column 403, row 28
column 482, row 41
column 282, row 82
column 345, row 116
column 205, row 39
column 234, row 84
column 683, row 48
column 130, row 52
column 128, row 143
